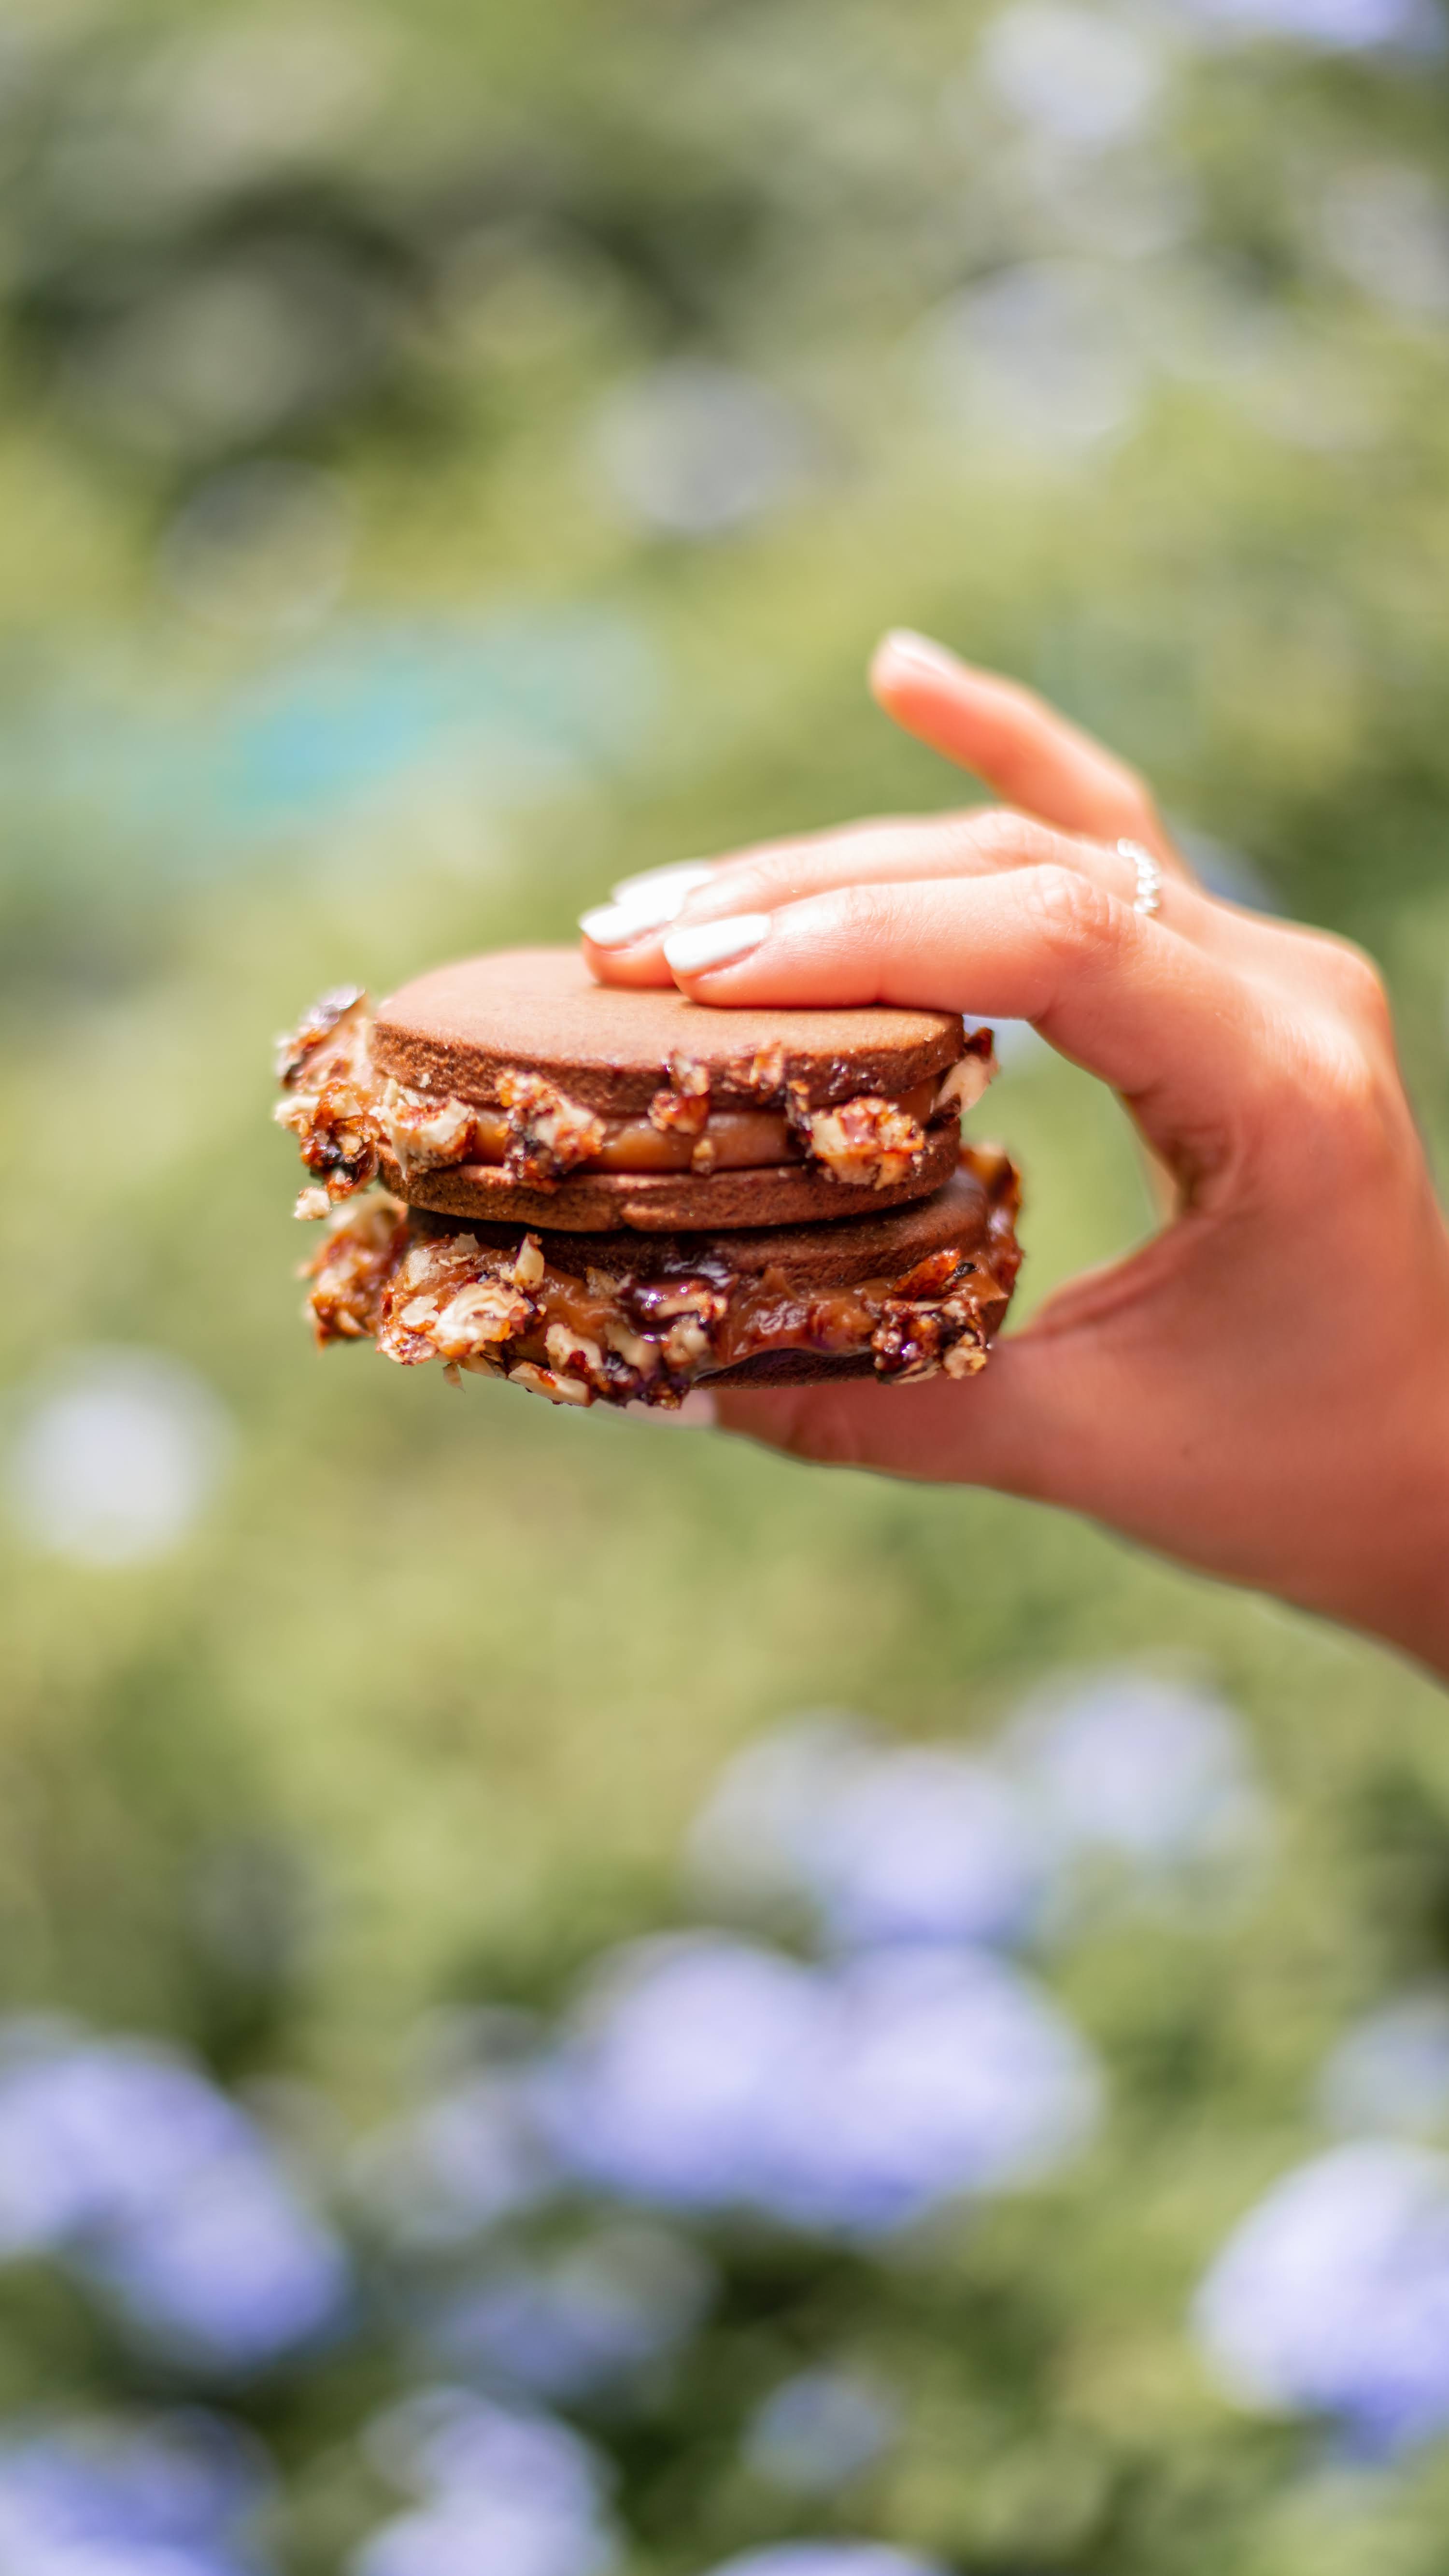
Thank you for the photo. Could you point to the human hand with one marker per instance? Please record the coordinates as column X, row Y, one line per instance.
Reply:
column 1262, row 1390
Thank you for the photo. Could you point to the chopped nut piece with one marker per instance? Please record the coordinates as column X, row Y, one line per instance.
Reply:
column 686, row 1343
column 568, row 1349
column 915, row 1339
column 423, row 1310
column 906, row 1341
column 429, row 1262
column 657, row 1300
column 426, row 1134
column 963, row 1086
column 964, row 1359
column 933, row 1276
column 334, row 1132
column 530, row 1265
column 328, row 1079
column 632, row 1348
column 867, row 1143
column 682, row 1108
column 480, row 1317
column 548, row 1134
column 542, row 1381
column 765, row 1072
column 350, row 1273
column 321, row 1022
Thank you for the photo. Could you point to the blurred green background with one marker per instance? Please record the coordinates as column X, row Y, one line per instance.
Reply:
column 452, row 456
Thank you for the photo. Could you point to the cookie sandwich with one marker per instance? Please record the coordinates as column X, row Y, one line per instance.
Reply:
column 615, row 1195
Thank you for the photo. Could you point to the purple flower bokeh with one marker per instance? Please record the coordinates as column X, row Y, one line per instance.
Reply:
column 98, row 2134
column 666, row 2091
column 232, row 2274
column 708, row 2073
column 925, row 1844
column 1332, row 2297
column 497, row 2487
column 933, row 2073
column 1333, row 26
column 170, row 2496
column 131, row 2167
column 1147, row 1774
column 878, row 1842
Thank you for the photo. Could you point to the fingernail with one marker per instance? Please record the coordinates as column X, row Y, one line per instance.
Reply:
column 911, row 647
column 612, row 925
column 652, row 905
column 684, row 873
column 715, row 943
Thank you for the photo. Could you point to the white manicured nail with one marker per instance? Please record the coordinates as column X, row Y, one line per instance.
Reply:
column 640, row 904
column 911, row 647
column 684, row 873
column 612, row 925
column 652, row 906
column 700, row 944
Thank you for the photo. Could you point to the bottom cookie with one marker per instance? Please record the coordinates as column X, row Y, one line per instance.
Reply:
column 612, row 1318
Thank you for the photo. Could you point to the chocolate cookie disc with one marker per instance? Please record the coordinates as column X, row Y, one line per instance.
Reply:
column 538, row 1011
column 513, row 1087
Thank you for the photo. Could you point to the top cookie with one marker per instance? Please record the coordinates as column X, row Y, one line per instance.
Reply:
column 513, row 1086
column 539, row 1011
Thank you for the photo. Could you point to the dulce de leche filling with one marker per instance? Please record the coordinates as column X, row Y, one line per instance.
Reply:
column 385, row 1274
column 729, row 1140
column 347, row 1114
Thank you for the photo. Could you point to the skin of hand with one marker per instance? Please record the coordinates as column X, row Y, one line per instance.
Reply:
column 1262, row 1390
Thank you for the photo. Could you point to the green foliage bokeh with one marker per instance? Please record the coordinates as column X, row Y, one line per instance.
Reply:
column 439, row 1680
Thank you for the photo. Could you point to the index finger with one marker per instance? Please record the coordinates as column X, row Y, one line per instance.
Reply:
column 1029, row 754
column 1169, row 1025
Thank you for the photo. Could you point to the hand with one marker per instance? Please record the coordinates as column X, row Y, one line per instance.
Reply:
column 1262, row 1390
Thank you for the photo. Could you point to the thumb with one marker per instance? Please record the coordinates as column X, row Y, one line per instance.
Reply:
column 1048, row 1418
column 977, row 1431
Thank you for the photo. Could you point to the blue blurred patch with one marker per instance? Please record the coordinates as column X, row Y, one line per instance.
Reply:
column 517, row 707
column 712, row 2074
column 1331, row 2297
column 817, row 2430
column 589, row 2321
column 165, row 2496
column 126, row 2164
column 497, row 2488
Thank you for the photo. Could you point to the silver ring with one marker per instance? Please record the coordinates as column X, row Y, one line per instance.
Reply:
column 1148, row 898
